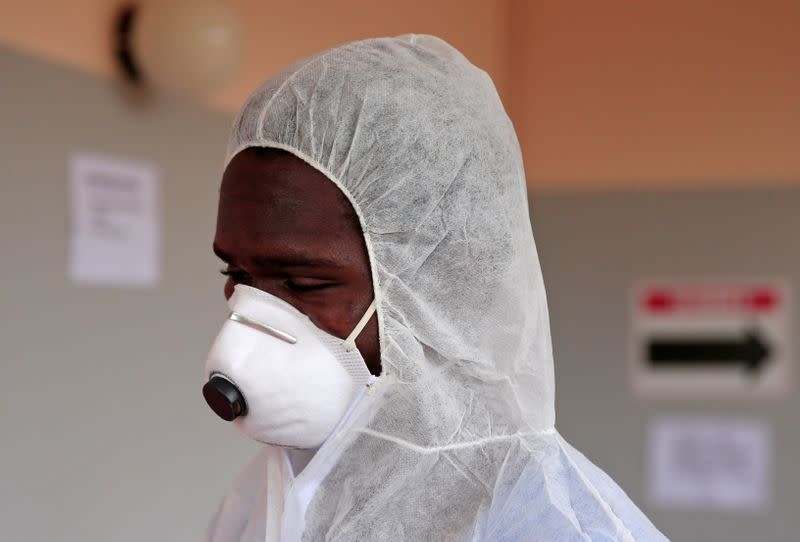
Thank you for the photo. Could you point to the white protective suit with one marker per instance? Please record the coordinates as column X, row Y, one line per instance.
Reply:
column 455, row 440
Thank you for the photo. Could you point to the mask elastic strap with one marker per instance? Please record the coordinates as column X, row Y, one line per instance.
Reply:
column 350, row 341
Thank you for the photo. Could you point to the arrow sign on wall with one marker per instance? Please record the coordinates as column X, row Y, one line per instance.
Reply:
column 748, row 351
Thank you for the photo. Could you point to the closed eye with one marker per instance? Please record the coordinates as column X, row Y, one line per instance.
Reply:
column 301, row 285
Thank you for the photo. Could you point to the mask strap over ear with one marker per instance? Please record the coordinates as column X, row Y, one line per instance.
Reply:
column 350, row 341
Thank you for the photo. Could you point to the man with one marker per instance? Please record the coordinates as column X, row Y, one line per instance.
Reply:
column 385, row 176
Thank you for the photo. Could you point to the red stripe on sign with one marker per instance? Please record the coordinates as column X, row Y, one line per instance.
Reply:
column 665, row 300
column 760, row 300
column 660, row 301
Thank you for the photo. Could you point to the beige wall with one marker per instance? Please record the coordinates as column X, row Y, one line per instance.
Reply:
column 626, row 93
column 609, row 94
column 278, row 32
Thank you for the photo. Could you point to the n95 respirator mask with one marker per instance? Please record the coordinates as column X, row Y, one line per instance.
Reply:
column 279, row 378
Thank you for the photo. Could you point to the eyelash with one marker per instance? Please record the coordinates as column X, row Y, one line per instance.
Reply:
column 236, row 276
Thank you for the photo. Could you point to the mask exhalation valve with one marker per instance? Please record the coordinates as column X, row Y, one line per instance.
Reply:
column 224, row 398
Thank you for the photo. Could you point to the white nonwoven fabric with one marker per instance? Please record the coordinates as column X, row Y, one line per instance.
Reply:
column 459, row 441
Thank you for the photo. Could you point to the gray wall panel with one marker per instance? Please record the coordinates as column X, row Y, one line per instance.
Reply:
column 593, row 247
column 105, row 435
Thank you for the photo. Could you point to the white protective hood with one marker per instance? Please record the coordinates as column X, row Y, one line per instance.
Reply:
column 456, row 439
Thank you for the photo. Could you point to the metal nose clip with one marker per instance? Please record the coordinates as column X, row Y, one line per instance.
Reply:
column 282, row 335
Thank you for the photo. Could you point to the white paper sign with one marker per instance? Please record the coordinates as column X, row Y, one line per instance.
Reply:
column 704, row 338
column 710, row 463
column 115, row 237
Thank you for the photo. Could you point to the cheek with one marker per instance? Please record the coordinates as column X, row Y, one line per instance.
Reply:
column 330, row 313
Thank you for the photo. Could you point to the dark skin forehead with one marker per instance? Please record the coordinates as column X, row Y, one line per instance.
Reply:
column 285, row 228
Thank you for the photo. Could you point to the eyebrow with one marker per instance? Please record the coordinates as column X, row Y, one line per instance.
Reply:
column 293, row 259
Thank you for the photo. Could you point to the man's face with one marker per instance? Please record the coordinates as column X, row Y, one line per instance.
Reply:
column 286, row 229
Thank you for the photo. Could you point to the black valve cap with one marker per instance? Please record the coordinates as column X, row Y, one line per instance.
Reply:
column 224, row 398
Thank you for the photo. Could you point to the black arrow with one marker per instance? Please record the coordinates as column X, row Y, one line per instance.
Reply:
column 748, row 351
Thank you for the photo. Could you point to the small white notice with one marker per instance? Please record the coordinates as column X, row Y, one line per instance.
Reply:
column 115, row 230
column 722, row 464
